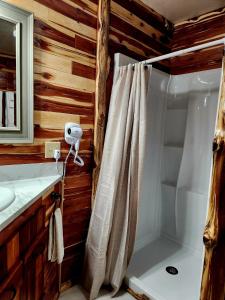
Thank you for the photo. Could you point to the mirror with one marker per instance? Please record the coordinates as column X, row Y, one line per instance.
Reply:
column 16, row 74
column 9, row 79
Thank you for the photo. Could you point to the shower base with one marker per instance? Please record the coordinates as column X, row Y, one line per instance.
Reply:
column 147, row 271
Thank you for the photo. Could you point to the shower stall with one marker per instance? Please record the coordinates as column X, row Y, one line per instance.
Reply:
column 167, row 262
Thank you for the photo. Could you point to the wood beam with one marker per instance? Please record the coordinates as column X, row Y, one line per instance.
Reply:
column 102, row 68
column 213, row 278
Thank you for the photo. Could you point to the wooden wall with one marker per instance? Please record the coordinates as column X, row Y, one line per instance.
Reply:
column 64, row 88
column 196, row 31
column 139, row 32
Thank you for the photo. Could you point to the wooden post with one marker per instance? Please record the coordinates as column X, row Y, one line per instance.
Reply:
column 101, row 78
column 213, row 278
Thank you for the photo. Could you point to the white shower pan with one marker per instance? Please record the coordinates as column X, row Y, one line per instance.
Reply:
column 182, row 113
column 147, row 273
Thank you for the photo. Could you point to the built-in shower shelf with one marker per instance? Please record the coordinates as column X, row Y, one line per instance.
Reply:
column 184, row 110
column 170, row 184
column 176, row 146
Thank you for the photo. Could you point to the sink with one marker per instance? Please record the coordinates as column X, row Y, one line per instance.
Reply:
column 7, row 196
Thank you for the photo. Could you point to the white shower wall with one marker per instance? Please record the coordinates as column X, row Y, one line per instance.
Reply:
column 192, row 108
column 150, row 205
column 181, row 122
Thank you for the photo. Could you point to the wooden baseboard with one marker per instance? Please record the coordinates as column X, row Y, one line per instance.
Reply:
column 66, row 285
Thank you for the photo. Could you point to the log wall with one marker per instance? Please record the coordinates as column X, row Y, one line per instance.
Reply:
column 64, row 90
column 196, row 31
column 139, row 32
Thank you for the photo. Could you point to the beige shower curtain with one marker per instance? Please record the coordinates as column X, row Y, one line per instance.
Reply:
column 113, row 223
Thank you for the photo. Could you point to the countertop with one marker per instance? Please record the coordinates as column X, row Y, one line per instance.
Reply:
column 27, row 190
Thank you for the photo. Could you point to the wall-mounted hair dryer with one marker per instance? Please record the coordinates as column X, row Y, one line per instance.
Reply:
column 73, row 134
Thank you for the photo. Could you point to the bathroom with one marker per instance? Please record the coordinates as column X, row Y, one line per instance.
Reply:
column 63, row 155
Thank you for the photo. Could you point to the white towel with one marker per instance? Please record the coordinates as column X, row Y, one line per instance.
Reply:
column 9, row 113
column 55, row 242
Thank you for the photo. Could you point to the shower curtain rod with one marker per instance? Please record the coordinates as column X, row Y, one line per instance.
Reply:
column 184, row 51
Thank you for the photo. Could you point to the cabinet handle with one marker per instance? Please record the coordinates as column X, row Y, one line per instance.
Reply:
column 55, row 196
column 11, row 290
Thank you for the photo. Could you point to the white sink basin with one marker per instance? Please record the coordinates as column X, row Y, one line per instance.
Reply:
column 7, row 196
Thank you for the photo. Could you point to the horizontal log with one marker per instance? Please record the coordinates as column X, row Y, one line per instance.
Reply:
column 201, row 31
column 52, row 60
column 53, row 120
column 77, row 182
column 71, row 12
column 51, row 106
column 148, row 15
column 138, row 23
column 47, row 89
column 129, row 30
column 80, row 221
column 58, row 78
column 85, row 45
column 120, row 37
column 83, row 71
column 206, row 59
column 46, row 30
column 71, row 24
column 196, row 31
column 86, row 5
column 76, row 218
column 48, row 45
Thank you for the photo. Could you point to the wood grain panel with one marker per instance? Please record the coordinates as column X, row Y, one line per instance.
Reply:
column 148, row 15
column 52, row 120
column 13, row 251
column 83, row 71
column 196, row 31
column 48, row 89
column 70, row 11
column 206, row 59
column 130, row 30
column 64, row 87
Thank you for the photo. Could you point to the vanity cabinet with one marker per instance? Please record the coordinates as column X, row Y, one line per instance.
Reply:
column 11, row 289
column 25, row 273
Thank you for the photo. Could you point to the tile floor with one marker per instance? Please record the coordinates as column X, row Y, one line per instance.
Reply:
column 76, row 293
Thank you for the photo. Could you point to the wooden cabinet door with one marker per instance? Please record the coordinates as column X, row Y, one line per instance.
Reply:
column 33, row 288
column 11, row 288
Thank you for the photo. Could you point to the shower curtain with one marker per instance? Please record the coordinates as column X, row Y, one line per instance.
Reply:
column 113, row 223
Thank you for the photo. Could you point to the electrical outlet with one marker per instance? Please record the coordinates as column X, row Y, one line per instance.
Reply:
column 50, row 147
